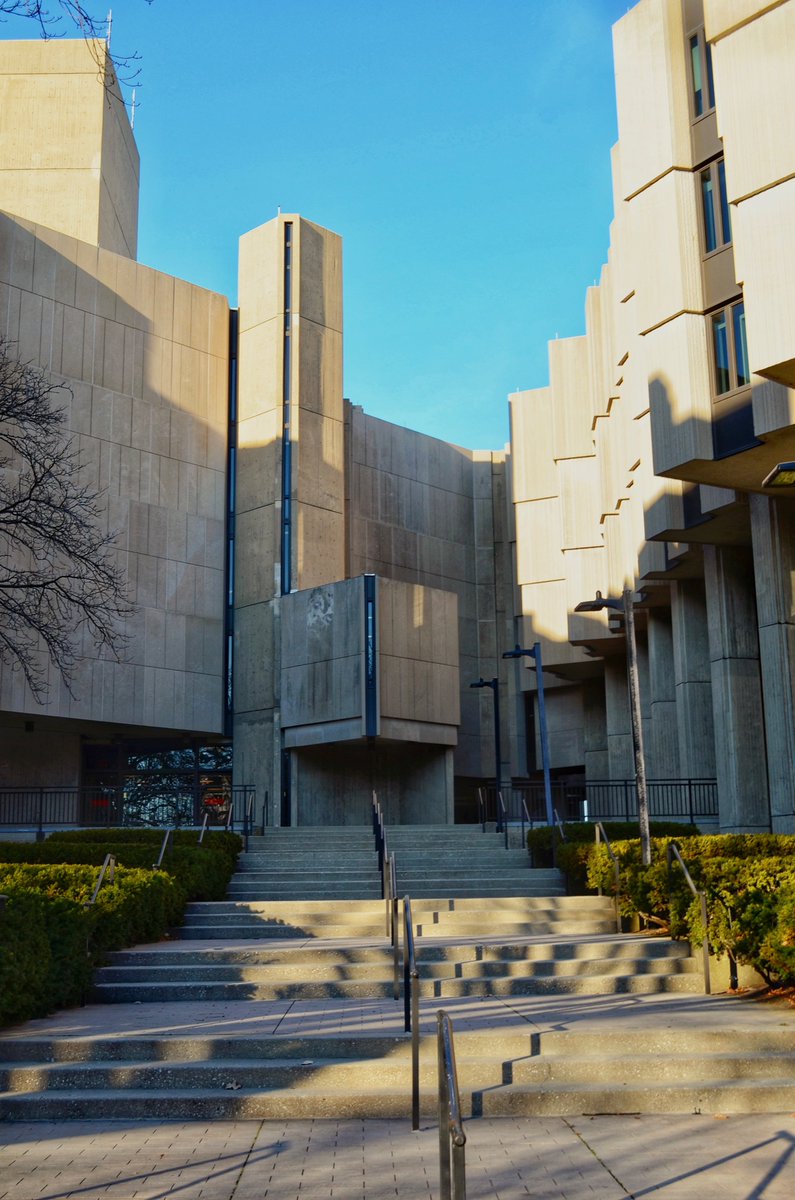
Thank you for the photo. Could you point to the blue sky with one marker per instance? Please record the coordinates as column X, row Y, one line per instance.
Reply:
column 460, row 147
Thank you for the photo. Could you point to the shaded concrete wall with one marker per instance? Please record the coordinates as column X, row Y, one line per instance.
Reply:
column 423, row 511
column 144, row 358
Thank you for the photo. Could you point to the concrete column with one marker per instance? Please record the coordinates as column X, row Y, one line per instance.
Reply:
column 620, row 759
column 692, row 679
column 773, row 538
column 736, row 690
column 596, row 757
column 662, row 748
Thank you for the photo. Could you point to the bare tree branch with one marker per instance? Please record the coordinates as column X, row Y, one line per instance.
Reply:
column 56, row 18
column 59, row 570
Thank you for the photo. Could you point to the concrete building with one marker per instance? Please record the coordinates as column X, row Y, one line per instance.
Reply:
column 316, row 589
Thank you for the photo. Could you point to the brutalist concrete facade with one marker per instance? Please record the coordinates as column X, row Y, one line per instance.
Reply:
column 321, row 587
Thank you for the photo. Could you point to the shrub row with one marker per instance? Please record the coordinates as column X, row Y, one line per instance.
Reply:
column 50, row 941
column 204, row 871
column 749, row 884
column 573, row 854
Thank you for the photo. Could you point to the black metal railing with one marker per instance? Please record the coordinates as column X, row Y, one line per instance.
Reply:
column 452, row 1139
column 686, row 800
column 45, row 808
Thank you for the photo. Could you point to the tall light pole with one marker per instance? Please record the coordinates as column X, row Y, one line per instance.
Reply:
column 626, row 606
column 535, row 652
column 494, row 684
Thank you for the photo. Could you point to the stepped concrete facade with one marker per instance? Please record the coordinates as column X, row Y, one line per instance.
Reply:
column 315, row 588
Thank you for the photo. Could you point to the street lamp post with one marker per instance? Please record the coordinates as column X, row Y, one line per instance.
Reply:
column 626, row 606
column 535, row 652
column 494, row 684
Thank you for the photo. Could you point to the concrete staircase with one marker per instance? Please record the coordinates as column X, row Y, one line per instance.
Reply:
column 461, row 861
column 601, row 966
column 309, row 864
column 555, row 1013
column 501, row 1074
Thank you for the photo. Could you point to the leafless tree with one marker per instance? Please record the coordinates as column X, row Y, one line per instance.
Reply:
column 59, row 574
column 54, row 18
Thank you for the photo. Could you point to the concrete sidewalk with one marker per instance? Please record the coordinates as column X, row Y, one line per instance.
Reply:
column 582, row 1158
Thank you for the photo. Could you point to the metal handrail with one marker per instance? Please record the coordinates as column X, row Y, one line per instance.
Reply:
column 601, row 836
column 203, row 829
column 386, row 887
column 674, row 849
column 394, row 927
column 248, row 820
column 411, row 1008
column 166, row 838
column 230, row 816
column 452, row 1139
column 109, row 867
column 482, row 809
column 525, row 815
column 502, row 827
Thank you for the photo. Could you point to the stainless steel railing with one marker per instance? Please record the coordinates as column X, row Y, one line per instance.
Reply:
column 601, row 836
column 411, row 1008
column 452, row 1139
column 673, row 850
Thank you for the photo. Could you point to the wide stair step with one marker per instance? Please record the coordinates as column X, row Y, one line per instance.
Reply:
column 500, row 1074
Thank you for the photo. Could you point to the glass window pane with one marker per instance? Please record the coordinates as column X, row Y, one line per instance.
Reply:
column 710, row 81
column 725, row 212
column 720, row 349
column 740, row 346
column 698, row 86
column 708, row 200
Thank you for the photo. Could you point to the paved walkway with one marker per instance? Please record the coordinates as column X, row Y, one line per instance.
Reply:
column 572, row 1158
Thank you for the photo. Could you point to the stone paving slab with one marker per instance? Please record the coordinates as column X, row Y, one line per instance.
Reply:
column 599, row 1158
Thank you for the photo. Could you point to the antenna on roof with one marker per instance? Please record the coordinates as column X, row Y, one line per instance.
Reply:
column 110, row 27
column 132, row 110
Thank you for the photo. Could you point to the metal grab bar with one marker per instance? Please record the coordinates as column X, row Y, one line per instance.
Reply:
column 247, row 820
column 601, row 836
column 166, row 838
column 673, row 849
column 452, row 1139
column 502, row 826
column 411, row 1008
column 108, row 867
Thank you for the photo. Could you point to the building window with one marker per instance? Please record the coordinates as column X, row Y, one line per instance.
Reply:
column 730, row 349
column 715, row 207
column 703, row 88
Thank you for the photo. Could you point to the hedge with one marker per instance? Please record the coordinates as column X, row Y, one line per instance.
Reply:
column 749, row 884
column 573, row 854
column 50, row 942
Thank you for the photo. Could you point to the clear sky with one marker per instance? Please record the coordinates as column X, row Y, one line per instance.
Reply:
column 460, row 147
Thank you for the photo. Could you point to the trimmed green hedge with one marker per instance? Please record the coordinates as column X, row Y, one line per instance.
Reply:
column 50, row 942
column 749, row 884
column 573, row 854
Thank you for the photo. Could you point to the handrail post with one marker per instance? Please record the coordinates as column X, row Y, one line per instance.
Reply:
column 601, row 836
column 411, row 1008
column 672, row 850
column 40, row 829
column 452, row 1139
